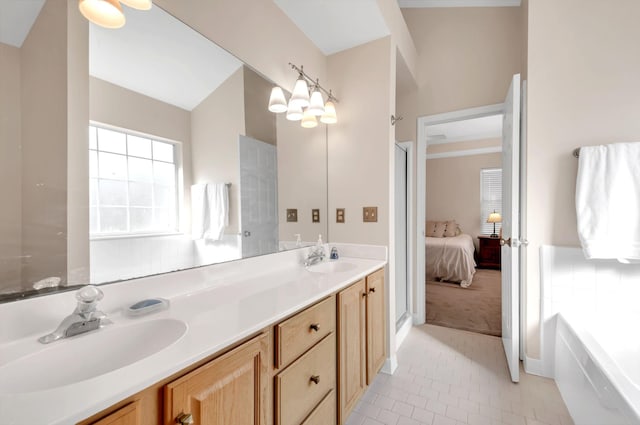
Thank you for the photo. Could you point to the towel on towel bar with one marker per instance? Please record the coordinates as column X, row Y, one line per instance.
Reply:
column 209, row 210
column 608, row 201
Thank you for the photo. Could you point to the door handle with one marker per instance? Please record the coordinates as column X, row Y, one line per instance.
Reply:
column 514, row 242
column 247, row 233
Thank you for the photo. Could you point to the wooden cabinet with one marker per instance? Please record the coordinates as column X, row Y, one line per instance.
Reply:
column 489, row 252
column 305, row 352
column 361, row 339
column 127, row 415
column 376, row 341
column 231, row 389
column 352, row 360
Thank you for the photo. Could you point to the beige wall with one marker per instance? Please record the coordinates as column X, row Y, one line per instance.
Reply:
column 360, row 143
column 260, row 123
column 44, row 145
column 453, row 190
column 10, row 170
column 466, row 55
column 583, row 90
column 114, row 105
column 77, row 164
column 302, row 179
column 215, row 127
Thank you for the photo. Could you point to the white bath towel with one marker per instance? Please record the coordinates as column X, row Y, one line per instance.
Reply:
column 209, row 210
column 608, row 201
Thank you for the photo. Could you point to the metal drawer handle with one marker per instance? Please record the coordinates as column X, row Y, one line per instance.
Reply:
column 184, row 419
column 364, row 295
column 315, row 379
column 315, row 327
column 372, row 289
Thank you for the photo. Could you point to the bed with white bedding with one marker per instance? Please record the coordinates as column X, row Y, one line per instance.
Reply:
column 451, row 259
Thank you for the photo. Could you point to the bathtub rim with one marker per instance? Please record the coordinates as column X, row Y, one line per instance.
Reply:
column 629, row 392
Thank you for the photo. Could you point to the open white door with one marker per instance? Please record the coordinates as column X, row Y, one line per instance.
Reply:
column 511, row 228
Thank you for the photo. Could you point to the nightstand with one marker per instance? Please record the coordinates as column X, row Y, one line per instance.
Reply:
column 489, row 252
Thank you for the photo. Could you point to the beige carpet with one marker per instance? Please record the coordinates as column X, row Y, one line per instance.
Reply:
column 476, row 308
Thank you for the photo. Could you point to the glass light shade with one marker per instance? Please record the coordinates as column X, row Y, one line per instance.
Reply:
column 316, row 103
column 294, row 112
column 277, row 102
column 494, row 217
column 138, row 4
column 300, row 94
column 309, row 120
column 329, row 116
column 106, row 13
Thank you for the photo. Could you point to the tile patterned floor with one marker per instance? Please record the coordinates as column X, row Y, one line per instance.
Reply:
column 451, row 377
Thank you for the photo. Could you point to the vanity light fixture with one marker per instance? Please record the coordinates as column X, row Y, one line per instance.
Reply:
column 302, row 106
column 108, row 13
column 309, row 119
column 138, row 4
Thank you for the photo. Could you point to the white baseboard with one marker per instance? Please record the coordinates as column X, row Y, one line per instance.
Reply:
column 390, row 365
column 536, row 367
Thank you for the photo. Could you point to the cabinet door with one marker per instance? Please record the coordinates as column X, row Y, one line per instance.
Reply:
column 351, row 347
column 231, row 389
column 128, row 415
column 376, row 346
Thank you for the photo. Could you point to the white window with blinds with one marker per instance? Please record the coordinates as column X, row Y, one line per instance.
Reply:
column 490, row 198
column 133, row 183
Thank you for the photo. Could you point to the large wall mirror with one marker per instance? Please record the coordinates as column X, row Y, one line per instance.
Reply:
column 175, row 163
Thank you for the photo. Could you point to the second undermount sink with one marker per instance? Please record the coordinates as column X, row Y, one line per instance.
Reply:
column 87, row 356
column 336, row 266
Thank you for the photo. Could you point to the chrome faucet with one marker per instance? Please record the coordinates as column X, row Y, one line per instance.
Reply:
column 316, row 255
column 85, row 318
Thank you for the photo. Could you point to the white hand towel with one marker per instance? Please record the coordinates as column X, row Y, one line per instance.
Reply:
column 199, row 219
column 608, row 201
column 218, row 210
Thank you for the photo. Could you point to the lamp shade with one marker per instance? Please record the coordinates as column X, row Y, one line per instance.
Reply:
column 309, row 120
column 294, row 112
column 138, row 4
column 494, row 217
column 106, row 13
column 277, row 102
column 329, row 116
column 300, row 95
column 316, row 103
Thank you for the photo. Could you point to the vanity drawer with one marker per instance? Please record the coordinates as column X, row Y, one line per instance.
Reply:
column 325, row 413
column 299, row 333
column 304, row 384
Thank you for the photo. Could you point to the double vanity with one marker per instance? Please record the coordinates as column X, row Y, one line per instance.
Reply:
column 264, row 340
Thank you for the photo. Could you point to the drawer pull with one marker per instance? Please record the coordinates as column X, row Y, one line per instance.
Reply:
column 315, row 327
column 184, row 419
column 315, row 379
column 372, row 289
column 364, row 295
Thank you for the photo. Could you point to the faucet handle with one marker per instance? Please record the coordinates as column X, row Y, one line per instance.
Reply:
column 89, row 294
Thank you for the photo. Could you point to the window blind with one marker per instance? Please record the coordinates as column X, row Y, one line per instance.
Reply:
column 490, row 198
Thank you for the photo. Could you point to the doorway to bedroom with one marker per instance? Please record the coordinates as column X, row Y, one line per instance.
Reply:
column 463, row 210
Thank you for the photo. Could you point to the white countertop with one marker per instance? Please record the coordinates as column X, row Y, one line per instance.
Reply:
column 217, row 316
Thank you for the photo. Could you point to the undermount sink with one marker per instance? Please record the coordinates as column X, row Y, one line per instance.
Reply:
column 87, row 356
column 331, row 267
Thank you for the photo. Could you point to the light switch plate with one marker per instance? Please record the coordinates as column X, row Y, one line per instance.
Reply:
column 315, row 215
column 292, row 215
column 339, row 215
column 370, row 214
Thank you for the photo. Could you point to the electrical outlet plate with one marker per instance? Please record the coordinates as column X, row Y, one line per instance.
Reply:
column 370, row 214
column 292, row 215
column 339, row 215
column 315, row 215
